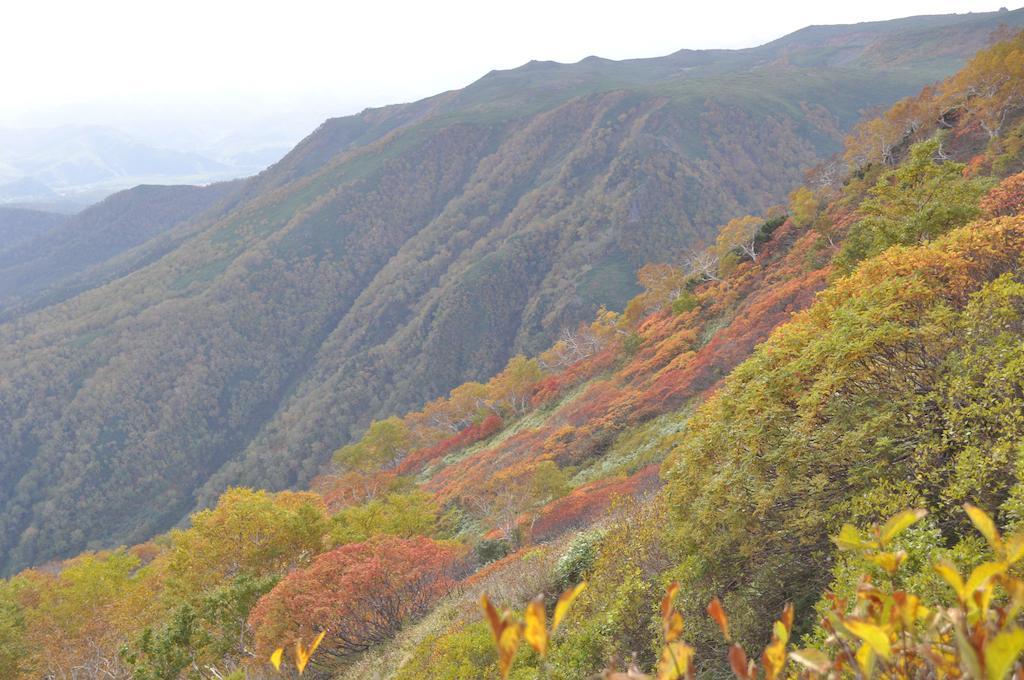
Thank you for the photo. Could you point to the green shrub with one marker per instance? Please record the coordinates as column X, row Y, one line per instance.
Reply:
column 491, row 549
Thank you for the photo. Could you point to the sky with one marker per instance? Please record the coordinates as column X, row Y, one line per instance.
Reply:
column 192, row 68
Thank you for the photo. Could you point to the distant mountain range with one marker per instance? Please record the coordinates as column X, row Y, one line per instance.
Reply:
column 78, row 165
column 193, row 339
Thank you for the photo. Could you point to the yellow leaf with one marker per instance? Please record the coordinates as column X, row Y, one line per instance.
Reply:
column 716, row 612
column 889, row 561
column 872, row 635
column 673, row 628
column 866, row 660
column 492, row 617
column 983, row 523
column 899, row 523
column 787, row 618
column 1015, row 589
column 1001, row 652
column 774, row 657
column 275, row 658
column 982, row 574
column 506, row 633
column 666, row 602
column 535, row 630
column 780, row 632
column 302, row 655
column 1015, row 548
column 564, row 602
column 317, row 641
column 850, row 539
column 909, row 609
column 508, row 643
column 676, row 659
column 951, row 575
column 813, row 659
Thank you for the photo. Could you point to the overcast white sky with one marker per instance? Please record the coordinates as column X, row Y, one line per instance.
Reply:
column 128, row 62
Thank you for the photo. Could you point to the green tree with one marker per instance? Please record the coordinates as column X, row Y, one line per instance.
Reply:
column 915, row 202
column 384, row 443
column 247, row 532
column 398, row 514
column 210, row 636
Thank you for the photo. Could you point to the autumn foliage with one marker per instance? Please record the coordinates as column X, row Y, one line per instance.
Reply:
column 360, row 593
column 420, row 458
column 857, row 355
column 1005, row 199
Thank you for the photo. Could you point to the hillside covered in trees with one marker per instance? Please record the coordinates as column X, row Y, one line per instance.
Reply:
column 46, row 258
column 817, row 367
column 396, row 254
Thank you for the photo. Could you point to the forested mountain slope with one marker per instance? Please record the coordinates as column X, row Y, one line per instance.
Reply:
column 837, row 359
column 82, row 251
column 20, row 224
column 395, row 254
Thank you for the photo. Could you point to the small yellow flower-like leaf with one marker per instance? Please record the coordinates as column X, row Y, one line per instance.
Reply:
column 909, row 609
column 899, row 523
column 951, row 575
column 866, row 660
column 673, row 628
column 563, row 604
column 983, row 523
column 676, row 660
column 1015, row 589
column 493, row 619
column 872, row 635
column 787, row 618
column 666, row 602
column 716, row 612
column 850, row 538
column 981, row 575
column 1002, row 651
column 317, row 641
column 774, row 658
column 507, row 646
column 535, row 630
column 890, row 561
column 302, row 654
column 275, row 658
column 814, row 659
column 506, row 631
column 1014, row 548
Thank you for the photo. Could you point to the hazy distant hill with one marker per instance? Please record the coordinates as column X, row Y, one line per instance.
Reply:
column 397, row 253
column 37, row 165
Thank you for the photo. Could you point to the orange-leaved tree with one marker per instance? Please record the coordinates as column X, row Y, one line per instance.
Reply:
column 360, row 593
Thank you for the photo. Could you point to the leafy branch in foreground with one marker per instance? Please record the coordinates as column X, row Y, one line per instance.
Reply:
column 883, row 633
column 302, row 654
column 508, row 630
